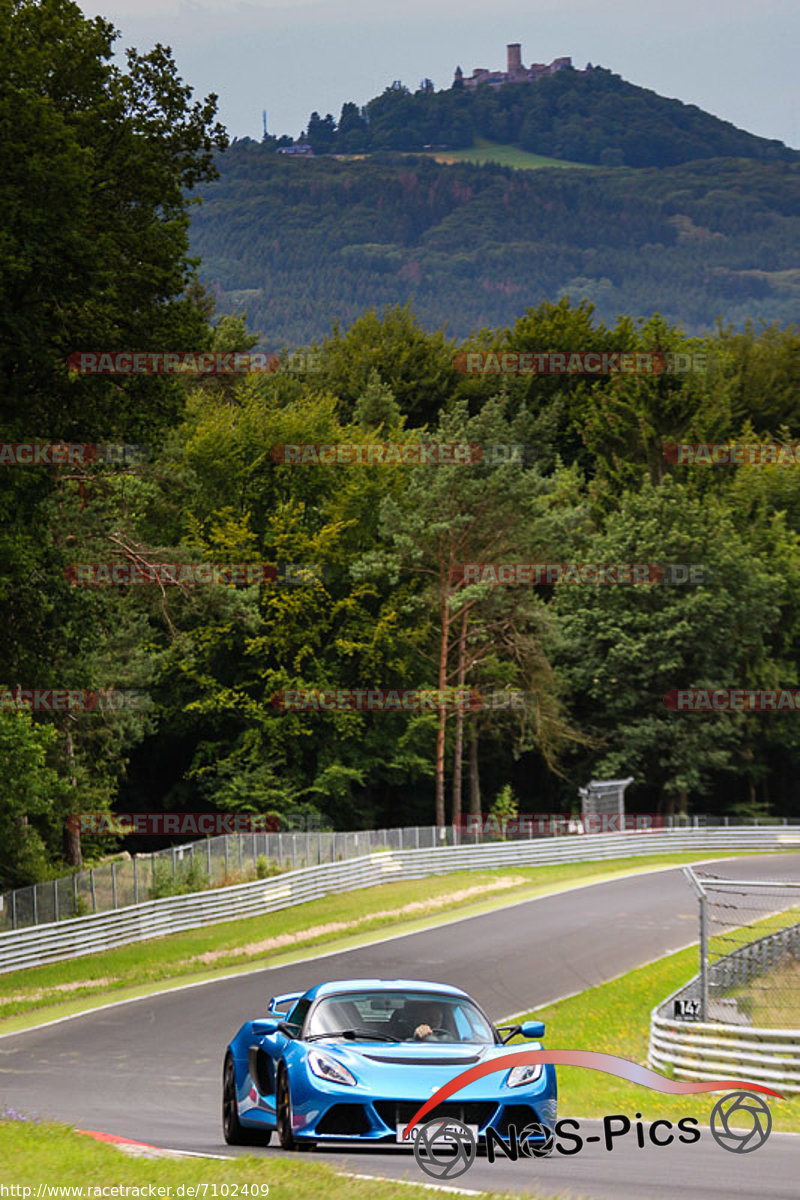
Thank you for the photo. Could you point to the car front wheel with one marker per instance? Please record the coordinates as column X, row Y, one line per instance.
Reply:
column 233, row 1131
column 283, row 1112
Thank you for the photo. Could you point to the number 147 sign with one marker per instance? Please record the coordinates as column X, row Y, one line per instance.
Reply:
column 687, row 1010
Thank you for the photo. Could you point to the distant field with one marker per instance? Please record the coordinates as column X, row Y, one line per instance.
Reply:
column 485, row 151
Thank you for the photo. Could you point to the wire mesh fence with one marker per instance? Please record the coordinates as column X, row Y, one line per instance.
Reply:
column 196, row 866
column 237, row 858
column 749, row 952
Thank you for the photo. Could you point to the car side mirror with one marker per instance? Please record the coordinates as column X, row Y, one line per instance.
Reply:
column 265, row 1028
column 532, row 1029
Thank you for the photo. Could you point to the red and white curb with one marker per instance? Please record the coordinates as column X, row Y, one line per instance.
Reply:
column 144, row 1149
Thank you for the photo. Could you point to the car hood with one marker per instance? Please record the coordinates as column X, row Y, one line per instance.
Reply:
column 411, row 1069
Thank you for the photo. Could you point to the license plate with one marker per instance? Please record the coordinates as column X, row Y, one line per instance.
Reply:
column 441, row 1140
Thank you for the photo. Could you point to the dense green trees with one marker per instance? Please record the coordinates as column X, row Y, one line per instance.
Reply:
column 298, row 244
column 369, row 594
column 97, row 161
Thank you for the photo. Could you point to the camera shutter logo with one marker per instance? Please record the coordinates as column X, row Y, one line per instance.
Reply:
column 445, row 1160
column 536, row 1140
column 740, row 1108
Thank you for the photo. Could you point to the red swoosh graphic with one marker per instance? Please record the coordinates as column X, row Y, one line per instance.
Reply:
column 611, row 1064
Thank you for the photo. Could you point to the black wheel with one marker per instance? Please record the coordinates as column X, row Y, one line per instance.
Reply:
column 283, row 1113
column 232, row 1129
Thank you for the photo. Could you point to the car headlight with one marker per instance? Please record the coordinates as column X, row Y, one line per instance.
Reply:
column 328, row 1069
column 522, row 1075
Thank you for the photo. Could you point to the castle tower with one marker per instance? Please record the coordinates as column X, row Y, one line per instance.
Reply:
column 514, row 57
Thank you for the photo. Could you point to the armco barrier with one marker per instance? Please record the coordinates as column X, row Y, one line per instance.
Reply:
column 708, row 1049
column 138, row 922
column 702, row 1050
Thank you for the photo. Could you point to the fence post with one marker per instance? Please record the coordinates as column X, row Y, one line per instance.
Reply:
column 241, row 863
column 703, row 958
column 153, row 869
column 75, row 894
column 94, row 893
column 55, row 898
column 114, row 884
column 36, row 904
column 208, row 858
column 14, row 909
column 135, row 879
column 227, row 860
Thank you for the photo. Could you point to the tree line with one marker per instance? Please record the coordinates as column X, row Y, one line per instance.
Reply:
column 369, row 590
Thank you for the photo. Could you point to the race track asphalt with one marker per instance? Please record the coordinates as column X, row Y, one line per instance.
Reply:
column 150, row 1069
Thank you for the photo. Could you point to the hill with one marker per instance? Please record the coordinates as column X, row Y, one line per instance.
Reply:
column 590, row 116
column 297, row 244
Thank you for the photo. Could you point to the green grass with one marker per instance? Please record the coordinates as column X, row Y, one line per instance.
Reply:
column 485, row 151
column 340, row 921
column 614, row 1018
column 31, row 1154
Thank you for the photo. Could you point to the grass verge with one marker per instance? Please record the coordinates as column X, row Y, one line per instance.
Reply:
column 614, row 1018
column 32, row 1154
column 485, row 151
column 336, row 922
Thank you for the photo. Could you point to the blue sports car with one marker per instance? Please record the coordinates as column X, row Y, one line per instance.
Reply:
column 353, row 1060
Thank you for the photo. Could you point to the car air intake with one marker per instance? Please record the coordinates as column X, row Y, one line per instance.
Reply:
column 424, row 1062
column 344, row 1120
column 469, row 1112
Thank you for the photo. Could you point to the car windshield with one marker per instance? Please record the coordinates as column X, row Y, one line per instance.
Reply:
column 399, row 1016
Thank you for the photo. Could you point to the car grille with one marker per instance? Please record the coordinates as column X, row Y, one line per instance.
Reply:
column 345, row 1120
column 468, row 1112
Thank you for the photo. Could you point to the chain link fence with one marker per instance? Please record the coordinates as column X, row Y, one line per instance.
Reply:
column 749, row 952
column 196, row 866
column 238, row 858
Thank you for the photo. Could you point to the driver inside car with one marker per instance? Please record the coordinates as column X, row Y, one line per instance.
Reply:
column 429, row 1022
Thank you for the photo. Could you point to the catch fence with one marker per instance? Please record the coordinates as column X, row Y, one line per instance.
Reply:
column 741, row 1013
column 153, row 918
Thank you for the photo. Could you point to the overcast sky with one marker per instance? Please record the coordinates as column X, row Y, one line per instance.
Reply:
column 735, row 58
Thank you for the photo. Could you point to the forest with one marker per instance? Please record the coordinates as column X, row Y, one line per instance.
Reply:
column 294, row 243
column 366, row 588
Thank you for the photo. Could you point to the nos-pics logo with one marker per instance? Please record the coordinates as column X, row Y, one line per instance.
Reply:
column 445, row 1148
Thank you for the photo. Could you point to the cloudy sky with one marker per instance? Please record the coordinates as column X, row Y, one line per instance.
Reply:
column 735, row 58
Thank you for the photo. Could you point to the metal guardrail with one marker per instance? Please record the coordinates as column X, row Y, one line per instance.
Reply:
column 705, row 1049
column 102, row 931
column 208, row 862
column 232, row 858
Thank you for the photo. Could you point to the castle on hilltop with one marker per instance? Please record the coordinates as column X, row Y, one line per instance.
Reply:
column 516, row 73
